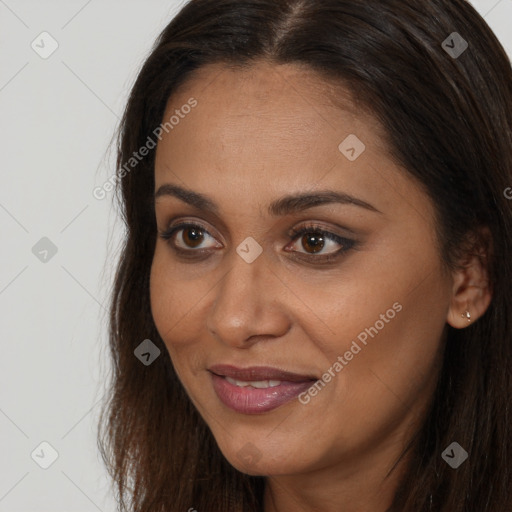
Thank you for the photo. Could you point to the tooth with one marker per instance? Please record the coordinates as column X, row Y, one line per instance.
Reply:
column 235, row 382
column 260, row 384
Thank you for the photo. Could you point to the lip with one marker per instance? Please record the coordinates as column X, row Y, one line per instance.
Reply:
column 258, row 373
column 249, row 400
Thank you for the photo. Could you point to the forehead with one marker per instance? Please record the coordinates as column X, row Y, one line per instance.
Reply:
column 268, row 89
column 259, row 133
column 276, row 110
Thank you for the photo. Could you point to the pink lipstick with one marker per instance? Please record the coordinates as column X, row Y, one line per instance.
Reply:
column 257, row 389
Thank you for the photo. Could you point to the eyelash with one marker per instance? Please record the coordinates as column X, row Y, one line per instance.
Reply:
column 295, row 233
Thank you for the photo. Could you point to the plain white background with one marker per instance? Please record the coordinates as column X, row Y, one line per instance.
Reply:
column 58, row 115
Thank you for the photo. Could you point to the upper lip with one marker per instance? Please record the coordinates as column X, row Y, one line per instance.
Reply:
column 258, row 373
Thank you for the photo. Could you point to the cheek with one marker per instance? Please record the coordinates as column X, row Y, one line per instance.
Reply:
column 390, row 329
column 410, row 362
column 162, row 296
column 175, row 303
column 395, row 371
column 172, row 310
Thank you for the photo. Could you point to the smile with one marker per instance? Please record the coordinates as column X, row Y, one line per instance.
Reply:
column 258, row 389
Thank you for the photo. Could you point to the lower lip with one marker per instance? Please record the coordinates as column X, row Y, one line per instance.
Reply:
column 249, row 400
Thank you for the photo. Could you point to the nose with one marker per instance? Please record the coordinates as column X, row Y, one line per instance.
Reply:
column 248, row 306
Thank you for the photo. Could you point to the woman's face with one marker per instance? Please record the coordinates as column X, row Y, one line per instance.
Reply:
column 338, row 327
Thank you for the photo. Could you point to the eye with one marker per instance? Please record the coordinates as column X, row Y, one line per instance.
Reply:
column 315, row 240
column 187, row 236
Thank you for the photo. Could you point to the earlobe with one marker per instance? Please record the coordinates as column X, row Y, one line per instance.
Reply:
column 468, row 305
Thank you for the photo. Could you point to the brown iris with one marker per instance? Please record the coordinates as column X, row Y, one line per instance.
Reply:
column 193, row 236
column 313, row 240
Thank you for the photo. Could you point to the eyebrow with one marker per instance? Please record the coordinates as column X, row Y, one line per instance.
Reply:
column 283, row 206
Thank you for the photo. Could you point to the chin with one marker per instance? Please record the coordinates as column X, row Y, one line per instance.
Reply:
column 256, row 459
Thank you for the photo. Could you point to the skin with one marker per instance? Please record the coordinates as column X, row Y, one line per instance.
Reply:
column 257, row 135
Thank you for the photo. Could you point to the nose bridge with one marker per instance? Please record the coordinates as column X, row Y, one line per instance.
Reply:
column 238, row 292
column 243, row 303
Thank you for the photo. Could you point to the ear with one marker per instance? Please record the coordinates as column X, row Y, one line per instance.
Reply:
column 471, row 292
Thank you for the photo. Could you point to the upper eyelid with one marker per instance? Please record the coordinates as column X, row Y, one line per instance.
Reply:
column 184, row 219
column 313, row 226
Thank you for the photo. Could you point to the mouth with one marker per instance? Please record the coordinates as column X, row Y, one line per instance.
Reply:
column 257, row 389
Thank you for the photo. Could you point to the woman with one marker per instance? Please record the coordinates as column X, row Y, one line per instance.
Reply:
column 311, row 310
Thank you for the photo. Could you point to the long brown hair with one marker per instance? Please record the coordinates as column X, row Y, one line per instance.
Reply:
column 448, row 121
